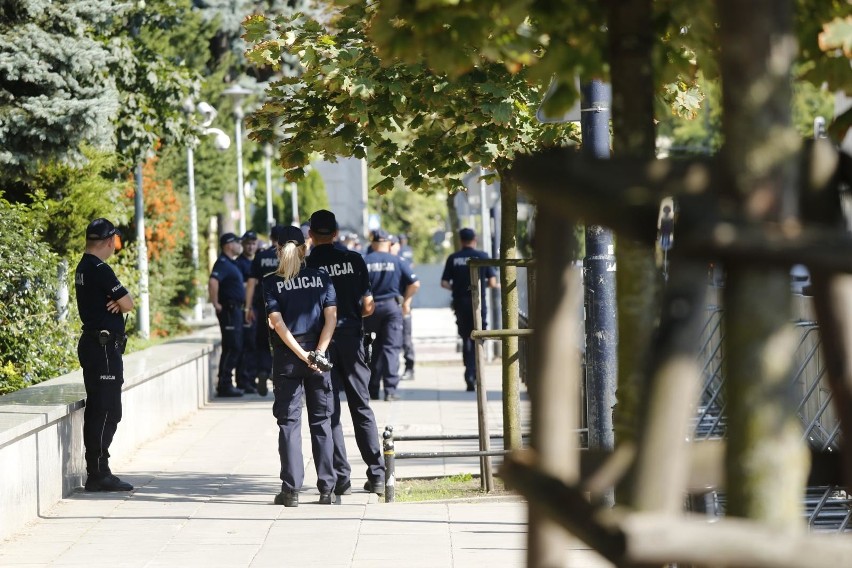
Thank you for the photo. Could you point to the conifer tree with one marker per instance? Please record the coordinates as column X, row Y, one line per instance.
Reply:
column 55, row 90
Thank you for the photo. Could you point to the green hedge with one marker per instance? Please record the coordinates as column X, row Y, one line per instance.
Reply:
column 34, row 344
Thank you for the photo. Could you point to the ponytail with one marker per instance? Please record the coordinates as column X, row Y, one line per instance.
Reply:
column 290, row 259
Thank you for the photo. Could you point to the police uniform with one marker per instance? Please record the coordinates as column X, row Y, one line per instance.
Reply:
column 247, row 366
column 231, row 296
column 407, row 256
column 99, row 350
column 457, row 273
column 264, row 262
column 301, row 301
column 389, row 276
column 348, row 272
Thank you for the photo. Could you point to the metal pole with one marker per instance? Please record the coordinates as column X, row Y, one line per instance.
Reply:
column 270, row 218
column 193, row 228
column 241, row 198
column 294, row 203
column 143, row 313
column 599, row 269
column 486, row 242
column 390, row 464
column 481, row 395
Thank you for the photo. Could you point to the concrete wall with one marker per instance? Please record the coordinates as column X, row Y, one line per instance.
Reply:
column 346, row 186
column 41, row 427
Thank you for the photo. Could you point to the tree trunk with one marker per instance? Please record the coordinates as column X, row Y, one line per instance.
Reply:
column 766, row 459
column 637, row 281
column 454, row 220
column 509, row 297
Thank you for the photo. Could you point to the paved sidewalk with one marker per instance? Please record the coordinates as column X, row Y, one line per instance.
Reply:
column 204, row 492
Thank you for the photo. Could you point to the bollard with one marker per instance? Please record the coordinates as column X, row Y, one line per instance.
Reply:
column 387, row 445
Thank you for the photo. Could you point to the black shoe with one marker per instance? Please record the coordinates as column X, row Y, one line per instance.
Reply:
column 248, row 388
column 261, row 387
column 325, row 499
column 408, row 375
column 106, row 482
column 287, row 498
column 228, row 392
column 377, row 487
column 391, row 396
column 471, row 387
column 344, row 488
column 374, row 396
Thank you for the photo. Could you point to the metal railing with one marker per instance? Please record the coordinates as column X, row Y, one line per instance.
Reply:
column 479, row 335
column 826, row 508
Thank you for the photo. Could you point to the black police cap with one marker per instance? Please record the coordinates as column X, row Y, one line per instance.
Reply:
column 101, row 229
column 380, row 236
column 323, row 222
column 290, row 234
column 467, row 235
column 249, row 236
column 227, row 238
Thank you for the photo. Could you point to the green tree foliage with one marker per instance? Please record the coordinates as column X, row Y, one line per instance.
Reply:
column 420, row 126
column 33, row 346
column 567, row 39
column 56, row 91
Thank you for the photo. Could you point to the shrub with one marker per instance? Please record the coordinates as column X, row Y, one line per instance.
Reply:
column 34, row 344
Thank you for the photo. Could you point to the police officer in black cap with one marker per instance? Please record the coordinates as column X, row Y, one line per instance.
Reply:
column 247, row 367
column 351, row 372
column 264, row 262
column 227, row 294
column 301, row 307
column 390, row 277
column 456, row 277
column 101, row 299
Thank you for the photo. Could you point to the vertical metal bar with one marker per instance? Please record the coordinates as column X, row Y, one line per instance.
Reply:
column 143, row 311
column 481, row 394
column 390, row 464
column 599, row 268
column 193, row 230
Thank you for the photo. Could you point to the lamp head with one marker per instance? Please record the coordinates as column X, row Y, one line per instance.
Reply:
column 208, row 113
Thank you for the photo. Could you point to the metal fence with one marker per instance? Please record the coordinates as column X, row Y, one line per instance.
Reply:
column 826, row 508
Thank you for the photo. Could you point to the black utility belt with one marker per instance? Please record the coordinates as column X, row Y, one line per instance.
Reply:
column 104, row 336
column 396, row 299
column 232, row 305
column 348, row 331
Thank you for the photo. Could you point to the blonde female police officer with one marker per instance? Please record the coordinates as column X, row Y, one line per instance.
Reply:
column 302, row 312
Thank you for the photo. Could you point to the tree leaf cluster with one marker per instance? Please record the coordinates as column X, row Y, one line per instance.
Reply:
column 421, row 127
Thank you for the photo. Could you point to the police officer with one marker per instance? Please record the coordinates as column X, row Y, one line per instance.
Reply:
column 456, row 277
column 351, row 372
column 247, row 367
column 264, row 262
column 227, row 293
column 101, row 299
column 301, row 307
column 389, row 278
column 404, row 252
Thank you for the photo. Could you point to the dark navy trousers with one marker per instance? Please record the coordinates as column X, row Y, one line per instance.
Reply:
column 351, row 375
column 407, row 343
column 263, row 349
column 292, row 380
column 231, row 326
column 386, row 323
column 103, row 375
column 247, row 369
column 463, row 308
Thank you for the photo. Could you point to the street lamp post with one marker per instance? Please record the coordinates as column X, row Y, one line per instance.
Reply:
column 270, row 218
column 223, row 142
column 239, row 93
